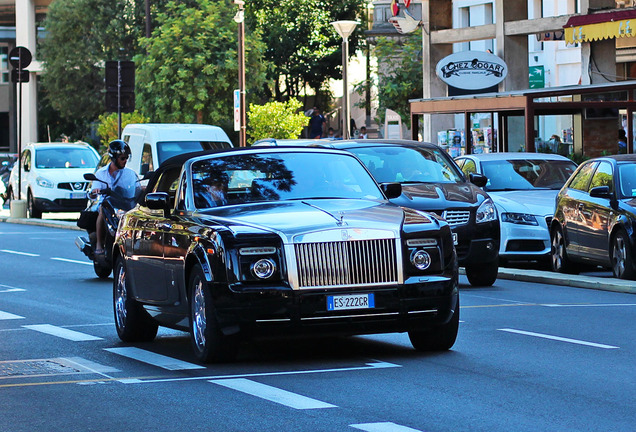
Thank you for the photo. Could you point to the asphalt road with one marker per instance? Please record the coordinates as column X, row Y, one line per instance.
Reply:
column 529, row 357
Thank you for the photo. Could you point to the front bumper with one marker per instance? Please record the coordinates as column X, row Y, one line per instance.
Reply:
column 477, row 243
column 422, row 302
column 60, row 204
column 525, row 242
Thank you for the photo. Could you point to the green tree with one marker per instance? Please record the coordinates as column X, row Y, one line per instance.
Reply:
column 109, row 126
column 80, row 36
column 190, row 67
column 281, row 120
column 399, row 76
column 302, row 46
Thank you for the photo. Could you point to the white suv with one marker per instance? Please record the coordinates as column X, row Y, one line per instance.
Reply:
column 52, row 176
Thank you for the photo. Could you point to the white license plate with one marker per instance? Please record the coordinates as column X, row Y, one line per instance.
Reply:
column 78, row 195
column 350, row 301
column 455, row 239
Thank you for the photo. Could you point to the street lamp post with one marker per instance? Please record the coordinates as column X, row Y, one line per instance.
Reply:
column 344, row 29
column 239, row 18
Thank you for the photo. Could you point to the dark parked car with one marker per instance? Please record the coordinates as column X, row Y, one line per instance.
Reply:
column 280, row 241
column 595, row 217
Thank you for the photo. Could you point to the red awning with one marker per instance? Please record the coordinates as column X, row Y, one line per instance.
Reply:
column 601, row 25
column 600, row 17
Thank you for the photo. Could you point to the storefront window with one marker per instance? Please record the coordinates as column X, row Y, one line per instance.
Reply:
column 4, row 64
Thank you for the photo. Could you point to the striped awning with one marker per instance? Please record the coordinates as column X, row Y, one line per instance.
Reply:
column 598, row 26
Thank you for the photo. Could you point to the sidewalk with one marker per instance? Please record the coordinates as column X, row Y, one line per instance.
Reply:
column 525, row 275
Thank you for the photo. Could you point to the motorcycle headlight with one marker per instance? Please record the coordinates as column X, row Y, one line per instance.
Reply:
column 42, row 182
column 519, row 218
column 486, row 212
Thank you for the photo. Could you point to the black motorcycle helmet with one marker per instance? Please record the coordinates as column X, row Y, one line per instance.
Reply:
column 117, row 148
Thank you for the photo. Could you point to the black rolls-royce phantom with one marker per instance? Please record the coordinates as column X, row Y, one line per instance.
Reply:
column 279, row 242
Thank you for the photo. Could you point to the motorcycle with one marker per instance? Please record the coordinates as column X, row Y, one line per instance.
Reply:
column 114, row 205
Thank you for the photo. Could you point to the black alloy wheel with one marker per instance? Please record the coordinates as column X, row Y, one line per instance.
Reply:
column 208, row 342
column 622, row 257
column 132, row 322
column 33, row 211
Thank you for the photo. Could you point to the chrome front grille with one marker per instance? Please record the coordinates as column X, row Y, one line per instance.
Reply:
column 346, row 263
column 73, row 186
column 456, row 217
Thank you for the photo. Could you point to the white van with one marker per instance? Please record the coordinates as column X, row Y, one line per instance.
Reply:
column 153, row 143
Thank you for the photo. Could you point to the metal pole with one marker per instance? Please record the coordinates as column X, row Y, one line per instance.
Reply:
column 148, row 18
column 345, row 93
column 19, row 162
column 118, row 99
column 241, row 55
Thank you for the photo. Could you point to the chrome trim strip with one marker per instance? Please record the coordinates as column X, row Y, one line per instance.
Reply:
column 273, row 320
column 371, row 315
column 423, row 311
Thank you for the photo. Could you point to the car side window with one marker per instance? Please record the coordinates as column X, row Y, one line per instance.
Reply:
column 182, row 187
column 603, row 176
column 26, row 160
column 582, row 179
column 469, row 167
column 146, row 158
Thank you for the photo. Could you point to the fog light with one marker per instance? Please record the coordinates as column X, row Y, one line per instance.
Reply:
column 490, row 246
column 421, row 260
column 263, row 268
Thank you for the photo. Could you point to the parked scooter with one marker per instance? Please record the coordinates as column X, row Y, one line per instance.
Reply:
column 113, row 207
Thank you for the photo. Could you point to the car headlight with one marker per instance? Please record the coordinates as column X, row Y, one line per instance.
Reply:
column 519, row 218
column 42, row 182
column 264, row 268
column 421, row 259
column 486, row 212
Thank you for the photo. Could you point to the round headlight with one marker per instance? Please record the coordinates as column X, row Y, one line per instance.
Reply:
column 264, row 268
column 421, row 260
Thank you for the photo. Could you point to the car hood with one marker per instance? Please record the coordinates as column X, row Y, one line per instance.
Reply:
column 307, row 220
column 536, row 202
column 440, row 196
column 63, row 175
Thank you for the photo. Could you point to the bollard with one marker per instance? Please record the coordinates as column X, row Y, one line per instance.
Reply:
column 18, row 209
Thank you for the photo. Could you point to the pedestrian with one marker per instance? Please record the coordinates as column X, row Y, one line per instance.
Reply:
column 622, row 141
column 331, row 134
column 363, row 133
column 316, row 124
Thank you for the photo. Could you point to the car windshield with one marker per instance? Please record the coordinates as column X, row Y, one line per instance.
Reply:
column 65, row 158
column 167, row 149
column 408, row 164
column 244, row 178
column 627, row 175
column 526, row 174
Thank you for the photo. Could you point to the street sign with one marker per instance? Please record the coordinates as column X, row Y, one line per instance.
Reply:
column 120, row 73
column 20, row 57
column 19, row 76
column 126, row 102
column 237, row 110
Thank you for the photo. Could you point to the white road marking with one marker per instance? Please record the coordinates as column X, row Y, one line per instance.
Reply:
column 377, row 365
column 10, row 289
column 383, row 427
column 154, row 359
column 558, row 338
column 19, row 253
column 8, row 316
column 272, row 394
column 91, row 366
column 72, row 261
column 589, row 305
column 62, row 332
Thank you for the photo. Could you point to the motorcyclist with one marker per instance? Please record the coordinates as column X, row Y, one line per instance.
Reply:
column 121, row 180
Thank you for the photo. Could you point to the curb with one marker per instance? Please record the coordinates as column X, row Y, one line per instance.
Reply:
column 523, row 275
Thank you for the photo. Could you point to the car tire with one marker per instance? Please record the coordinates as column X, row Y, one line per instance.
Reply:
column 622, row 257
column 102, row 270
column 132, row 322
column 484, row 274
column 32, row 211
column 439, row 338
column 208, row 342
column 560, row 261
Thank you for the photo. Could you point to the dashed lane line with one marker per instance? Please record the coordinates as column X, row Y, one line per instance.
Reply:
column 19, row 253
column 383, row 427
column 154, row 359
column 72, row 261
column 272, row 394
column 64, row 333
column 9, row 316
column 558, row 338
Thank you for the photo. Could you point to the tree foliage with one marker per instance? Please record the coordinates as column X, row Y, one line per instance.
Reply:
column 302, row 46
column 399, row 75
column 109, row 125
column 190, row 67
column 281, row 120
column 80, row 36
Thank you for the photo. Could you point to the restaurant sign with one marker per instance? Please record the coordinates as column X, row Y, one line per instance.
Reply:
column 472, row 70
